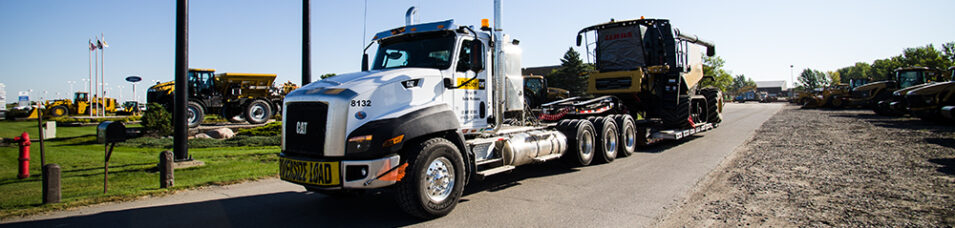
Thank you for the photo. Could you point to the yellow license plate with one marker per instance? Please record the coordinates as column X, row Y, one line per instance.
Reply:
column 309, row 172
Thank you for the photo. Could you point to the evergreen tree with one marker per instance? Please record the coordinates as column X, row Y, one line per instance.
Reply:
column 572, row 74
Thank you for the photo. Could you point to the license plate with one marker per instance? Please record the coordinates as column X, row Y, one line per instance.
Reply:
column 309, row 172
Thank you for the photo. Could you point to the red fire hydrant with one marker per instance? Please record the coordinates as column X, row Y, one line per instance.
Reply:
column 24, row 140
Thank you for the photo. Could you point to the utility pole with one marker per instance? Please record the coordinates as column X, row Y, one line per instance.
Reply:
column 306, row 44
column 180, row 146
column 792, row 90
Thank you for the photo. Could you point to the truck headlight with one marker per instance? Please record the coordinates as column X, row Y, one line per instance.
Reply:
column 358, row 143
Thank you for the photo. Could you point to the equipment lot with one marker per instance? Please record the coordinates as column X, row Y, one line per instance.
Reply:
column 549, row 194
column 831, row 168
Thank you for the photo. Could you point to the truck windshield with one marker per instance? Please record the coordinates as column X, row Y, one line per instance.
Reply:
column 910, row 78
column 427, row 50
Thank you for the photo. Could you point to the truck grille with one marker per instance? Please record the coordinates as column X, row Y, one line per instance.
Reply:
column 305, row 128
column 612, row 83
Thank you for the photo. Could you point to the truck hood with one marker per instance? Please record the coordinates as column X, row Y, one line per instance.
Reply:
column 368, row 80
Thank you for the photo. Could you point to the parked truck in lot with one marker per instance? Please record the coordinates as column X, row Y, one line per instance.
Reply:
column 442, row 105
column 238, row 97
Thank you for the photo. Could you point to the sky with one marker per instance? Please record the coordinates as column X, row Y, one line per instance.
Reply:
column 44, row 48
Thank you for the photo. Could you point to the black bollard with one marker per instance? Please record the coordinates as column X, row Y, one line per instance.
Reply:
column 51, row 183
column 166, row 176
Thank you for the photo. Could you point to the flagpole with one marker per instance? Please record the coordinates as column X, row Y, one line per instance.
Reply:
column 102, row 78
column 89, row 83
column 95, row 80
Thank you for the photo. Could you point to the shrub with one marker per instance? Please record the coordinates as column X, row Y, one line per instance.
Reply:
column 270, row 129
column 157, row 121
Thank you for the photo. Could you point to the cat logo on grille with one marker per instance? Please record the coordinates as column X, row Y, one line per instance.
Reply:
column 301, row 127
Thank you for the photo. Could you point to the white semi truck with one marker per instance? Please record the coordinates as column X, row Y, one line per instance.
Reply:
column 441, row 105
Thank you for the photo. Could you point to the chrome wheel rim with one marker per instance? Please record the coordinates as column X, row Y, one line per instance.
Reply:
column 630, row 137
column 258, row 112
column 586, row 145
column 439, row 179
column 610, row 142
column 191, row 114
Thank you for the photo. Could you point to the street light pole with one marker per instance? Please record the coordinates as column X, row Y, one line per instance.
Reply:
column 792, row 94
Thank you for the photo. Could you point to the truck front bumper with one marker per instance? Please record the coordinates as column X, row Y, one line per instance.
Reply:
column 352, row 174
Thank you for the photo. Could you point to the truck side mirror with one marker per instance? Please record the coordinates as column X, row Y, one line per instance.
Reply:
column 578, row 40
column 364, row 62
column 477, row 56
column 447, row 83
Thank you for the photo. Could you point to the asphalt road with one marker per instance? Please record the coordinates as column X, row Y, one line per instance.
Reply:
column 630, row 192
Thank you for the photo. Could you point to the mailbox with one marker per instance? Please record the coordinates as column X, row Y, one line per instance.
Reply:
column 110, row 132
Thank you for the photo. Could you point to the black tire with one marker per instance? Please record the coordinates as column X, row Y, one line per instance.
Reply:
column 258, row 112
column 433, row 155
column 580, row 143
column 607, row 143
column 194, row 114
column 713, row 100
column 59, row 110
column 627, row 143
column 676, row 115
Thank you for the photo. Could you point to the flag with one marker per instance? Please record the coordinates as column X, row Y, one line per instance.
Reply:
column 99, row 44
column 92, row 46
column 103, row 39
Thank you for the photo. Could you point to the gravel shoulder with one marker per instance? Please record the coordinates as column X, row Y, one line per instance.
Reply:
column 807, row 167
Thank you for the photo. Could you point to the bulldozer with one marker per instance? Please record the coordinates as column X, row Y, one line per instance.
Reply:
column 237, row 97
column 78, row 106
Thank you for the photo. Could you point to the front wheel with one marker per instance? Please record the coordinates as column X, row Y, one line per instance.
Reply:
column 258, row 112
column 194, row 114
column 435, row 179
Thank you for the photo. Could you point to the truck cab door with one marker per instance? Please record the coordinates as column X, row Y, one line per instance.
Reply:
column 470, row 99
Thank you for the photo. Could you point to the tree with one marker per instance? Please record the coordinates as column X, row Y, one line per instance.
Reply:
column 328, row 75
column 926, row 56
column 740, row 82
column 713, row 66
column 572, row 74
column 948, row 51
column 811, row 79
column 834, row 76
column 882, row 69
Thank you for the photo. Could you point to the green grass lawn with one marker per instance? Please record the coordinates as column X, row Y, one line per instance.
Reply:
column 130, row 172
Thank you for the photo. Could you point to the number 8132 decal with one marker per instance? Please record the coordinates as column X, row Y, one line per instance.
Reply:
column 361, row 103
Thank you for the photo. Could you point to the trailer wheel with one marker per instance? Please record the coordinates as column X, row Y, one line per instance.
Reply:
column 435, row 179
column 607, row 135
column 258, row 112
column 194, row 114
column 581, row 137
column 713, row 98
column 628, row 135
column 59, row 110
